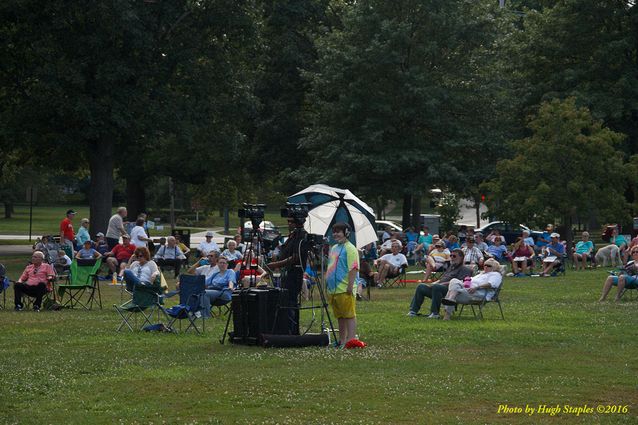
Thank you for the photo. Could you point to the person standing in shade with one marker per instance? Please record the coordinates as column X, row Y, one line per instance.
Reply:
column 116, row 228
column 67, row 235
column 341, row 275
column 139, row 238
column 83, row 233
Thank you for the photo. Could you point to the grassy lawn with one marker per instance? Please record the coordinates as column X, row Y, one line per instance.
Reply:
column 556, row 346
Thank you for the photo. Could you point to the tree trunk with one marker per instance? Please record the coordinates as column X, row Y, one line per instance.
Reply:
column 135, row 197
column 416, row 212
column 8, row 209
column 379, row 201
column 101, row 162
column 407, row 206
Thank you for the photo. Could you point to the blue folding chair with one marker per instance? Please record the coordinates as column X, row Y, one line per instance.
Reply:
column 192, row 289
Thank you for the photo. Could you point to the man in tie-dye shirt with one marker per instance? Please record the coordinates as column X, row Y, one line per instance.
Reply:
column 341, row 276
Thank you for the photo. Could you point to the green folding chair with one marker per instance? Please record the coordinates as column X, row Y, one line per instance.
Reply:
column 81, row 285
column 146, row 300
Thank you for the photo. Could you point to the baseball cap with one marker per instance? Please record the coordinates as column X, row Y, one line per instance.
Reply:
column 209, row 234
column 123, row 236
column 555, row 235
column 70, row 212
column 99, row 234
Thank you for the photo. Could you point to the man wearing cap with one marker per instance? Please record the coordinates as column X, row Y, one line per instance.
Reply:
column 67, row 236
column 389, row 265
column 207, row 245
column 118, row 257
column 554, row 255
column 437, row 290
column 116, row 228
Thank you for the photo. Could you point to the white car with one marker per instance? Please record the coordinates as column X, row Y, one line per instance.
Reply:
column 382, row 224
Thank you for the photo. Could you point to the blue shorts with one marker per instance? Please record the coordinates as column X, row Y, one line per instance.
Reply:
column 631, row 282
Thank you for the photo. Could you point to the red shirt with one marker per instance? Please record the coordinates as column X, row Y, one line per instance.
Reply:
column 33, row 275
column 66, row 228
column 122, row 252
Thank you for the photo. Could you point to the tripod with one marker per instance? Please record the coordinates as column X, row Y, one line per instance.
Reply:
column 255, row 234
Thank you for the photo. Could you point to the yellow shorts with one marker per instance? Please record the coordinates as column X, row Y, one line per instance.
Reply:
column 343, row 305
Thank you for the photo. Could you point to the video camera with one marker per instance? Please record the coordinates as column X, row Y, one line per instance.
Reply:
column 298, row 212
column 253, row 212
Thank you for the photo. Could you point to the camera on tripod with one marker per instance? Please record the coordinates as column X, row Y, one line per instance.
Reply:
column 253, row 212
column 298, row 212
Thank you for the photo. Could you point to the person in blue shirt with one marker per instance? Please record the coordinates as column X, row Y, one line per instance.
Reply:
column 220, row 285
column 544, row 239
column 583, row 251
column 554, row 252
column 87, row 252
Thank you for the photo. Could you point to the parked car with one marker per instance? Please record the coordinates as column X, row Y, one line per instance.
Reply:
column 382, row 224
column 509, row 231
column 267, row 229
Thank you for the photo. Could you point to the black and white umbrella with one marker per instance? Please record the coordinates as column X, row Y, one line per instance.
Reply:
column 330, row 205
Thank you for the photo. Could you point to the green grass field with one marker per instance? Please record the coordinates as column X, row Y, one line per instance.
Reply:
column 557, row 346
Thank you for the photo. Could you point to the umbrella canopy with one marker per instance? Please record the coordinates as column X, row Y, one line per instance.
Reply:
column 330, row 205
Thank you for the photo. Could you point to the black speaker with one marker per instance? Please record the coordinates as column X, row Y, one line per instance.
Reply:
column 257, row 311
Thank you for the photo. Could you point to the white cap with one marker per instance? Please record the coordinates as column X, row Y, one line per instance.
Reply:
column 209, row 233
column 554, row 235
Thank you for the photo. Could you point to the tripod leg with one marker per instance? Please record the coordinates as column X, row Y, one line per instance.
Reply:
column 230, row 315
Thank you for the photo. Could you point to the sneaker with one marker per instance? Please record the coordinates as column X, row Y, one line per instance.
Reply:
column 36, row 308
column 433, row 316
column 412, row 314
column 18, row 307
column 359, row 297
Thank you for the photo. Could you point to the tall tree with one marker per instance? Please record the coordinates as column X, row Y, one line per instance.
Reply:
column 396, row 97
column 109, row 80
column 566, row 168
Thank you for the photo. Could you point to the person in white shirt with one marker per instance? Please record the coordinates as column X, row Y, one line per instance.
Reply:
column 170, row 255
column 207, row 245
column 139, row 238
column 143, row 270
column 206, row 265
column 481, row 286
column 389, row 265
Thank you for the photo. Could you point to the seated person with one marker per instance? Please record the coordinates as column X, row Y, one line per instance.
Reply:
column 170, row 255
column 62, row 263
column 370, row 253
column 411, row 237
column 207, row 245
column 101, row 245
column 231, row 252
column 118, row 258
column 423, row 244
column 389, row 265
column 522, row 257
column 497, row 250
column 206, row 265
column 437, row 290
column 309, row 279
column 493, row 236
column 628, row 278
column 35, row 281
column 87, row 252
column 529, row 241
column 142, row 270
column 482, row 286
column 386, row 247
column 437, row 260
column 387, row 234
column 220, row 285
column 553, row 255
column 544, row 239
column 472, row 255
column 250, row 275
column 462, row 234
column 583, row 251
column 620, row 242
column 181, row 245
column 480, row 243
column 240, row 245
column 452, row 242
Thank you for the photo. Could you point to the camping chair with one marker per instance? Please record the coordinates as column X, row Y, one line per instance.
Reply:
column 146, row 300
column 397, row 281
column 483, row 302
column 82, row 279
column 191, row 290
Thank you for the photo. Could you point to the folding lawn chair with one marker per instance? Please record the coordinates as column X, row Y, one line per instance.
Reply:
column 146, row 300
column 483, row 302
column 397, row 281
column 81, row 280
column 191, row 290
